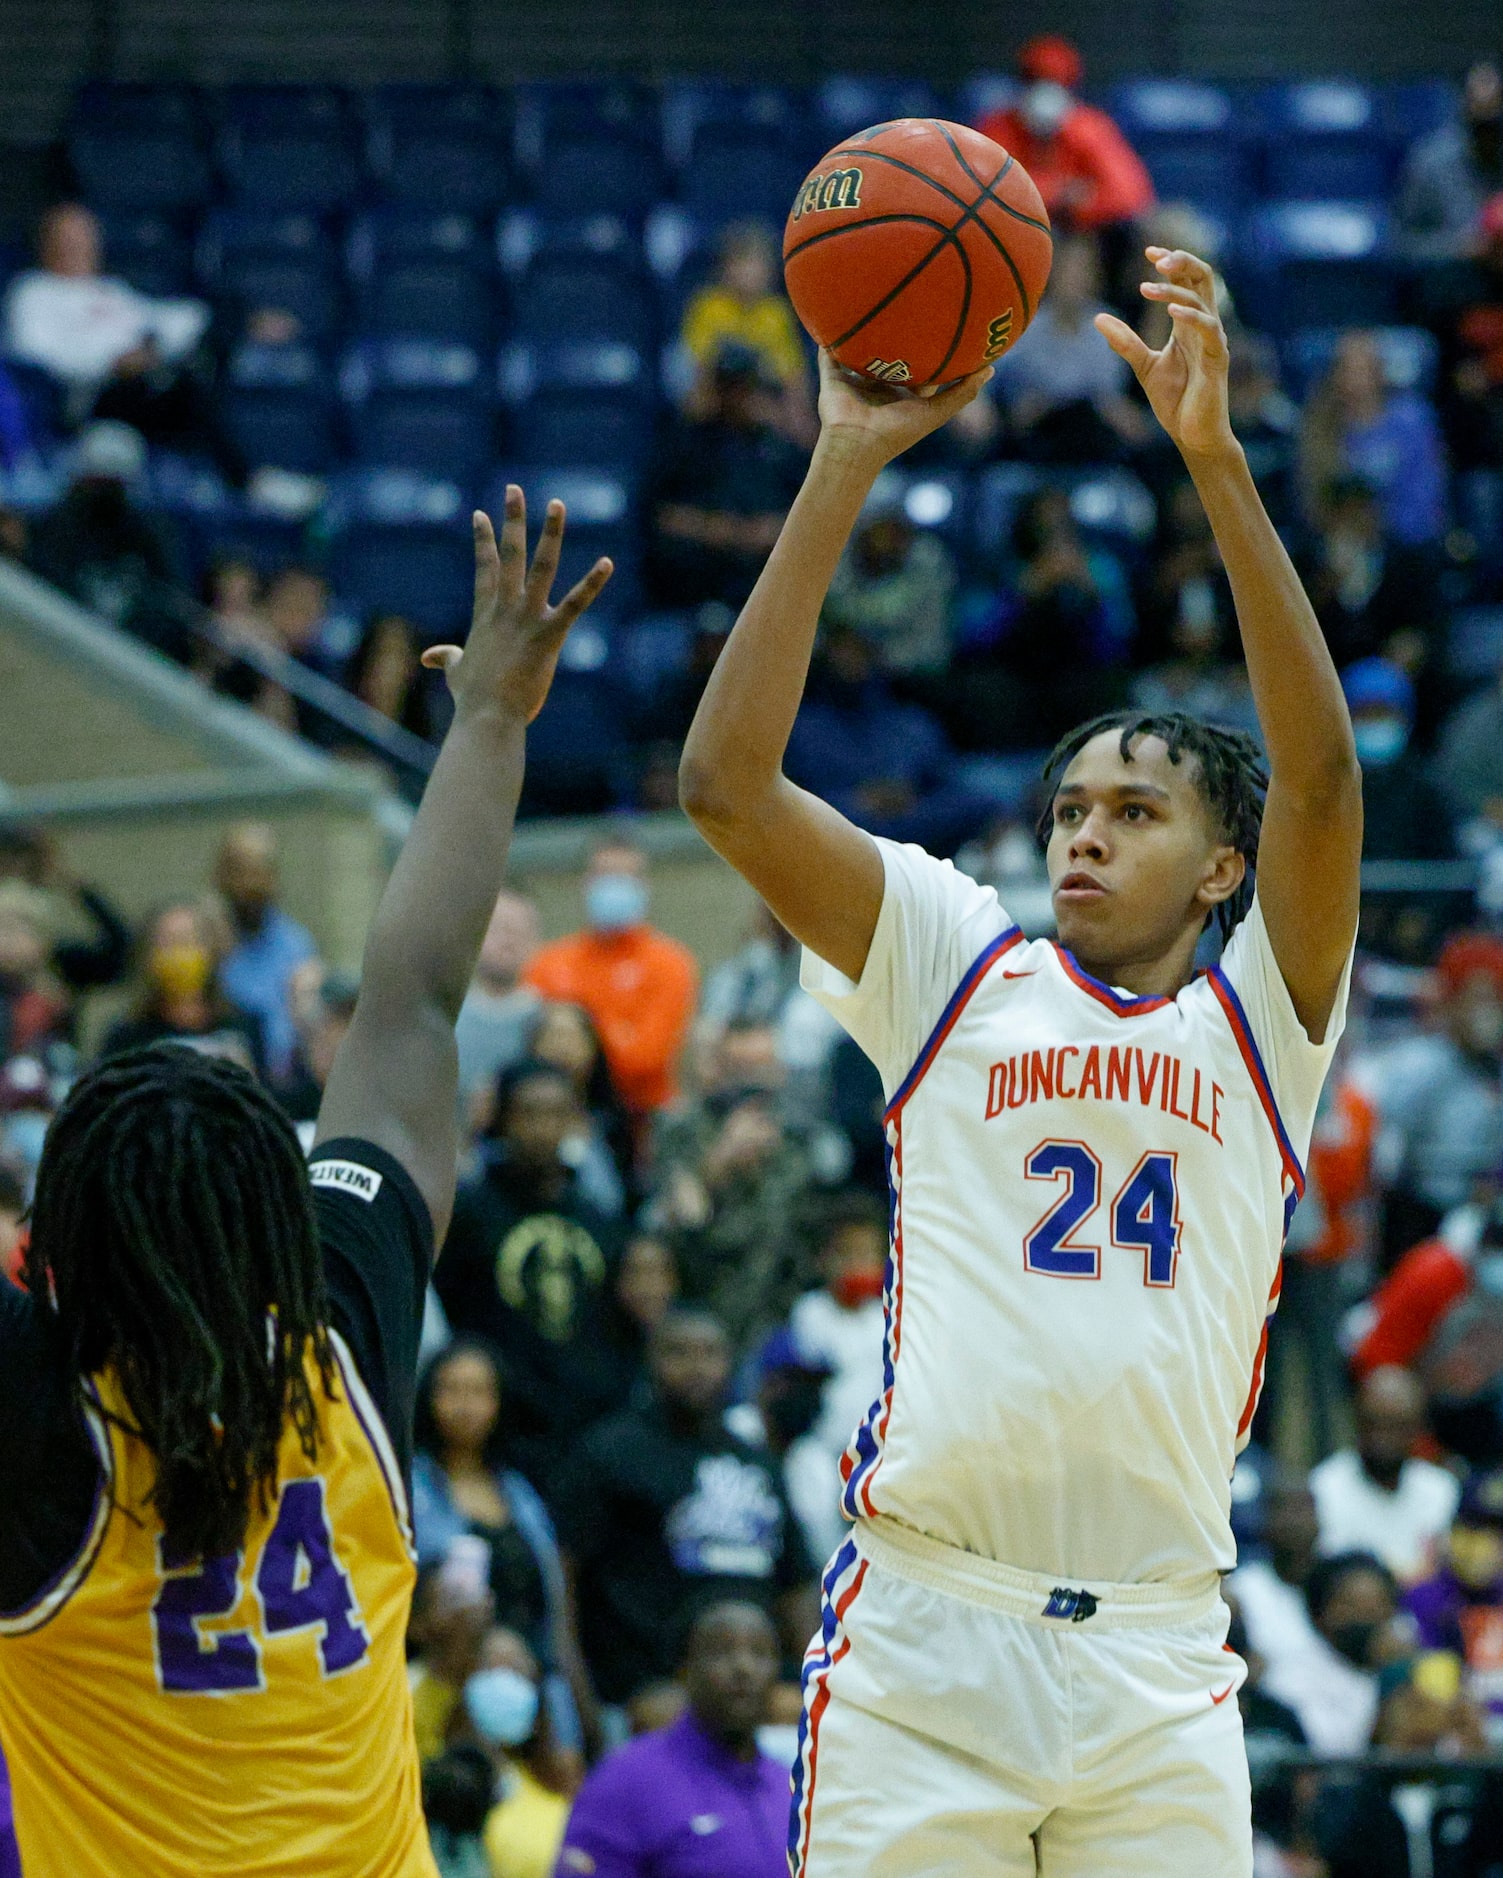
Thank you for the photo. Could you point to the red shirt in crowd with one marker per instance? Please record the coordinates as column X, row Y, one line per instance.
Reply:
column 1088, row 173
column 640, row 987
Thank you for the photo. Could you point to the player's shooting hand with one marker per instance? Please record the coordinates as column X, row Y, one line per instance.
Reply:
column 515, row 635
column 1185, row 381
column 882, row 421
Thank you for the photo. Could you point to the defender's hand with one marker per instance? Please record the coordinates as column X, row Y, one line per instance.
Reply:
column 515, row 635
column 882, row 421
column 1186, row 381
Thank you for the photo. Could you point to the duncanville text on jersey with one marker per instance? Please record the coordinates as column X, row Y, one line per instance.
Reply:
column 1147, row 1079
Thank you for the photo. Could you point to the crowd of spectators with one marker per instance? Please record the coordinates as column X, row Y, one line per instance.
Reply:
column 659, row 1312
column 659, row 1315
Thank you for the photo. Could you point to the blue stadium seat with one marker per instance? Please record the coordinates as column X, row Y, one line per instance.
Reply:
column 1415, row 107
column 735, row 170
column 569, row 290
column 260, row 258
column 1474, row 644
column 1411, row 357
column 1327, row 142
column 431, row 299
column 547, row 107
column 279, row 407
column 140, row 148
column 1113, row 507
column 849, row 101
column 938, row 501
column 441, row 148
column 289, row 147
column 692, row 105
column 610, row 366
column 982, row 93
column 574, row 424
column 1187, row 134
column 601, row 520
column 576, row 748
column 597, row 169
column 1000, row 493
column 150, row 251
column 400, row 542
column 421, row 406
column 1315, row 264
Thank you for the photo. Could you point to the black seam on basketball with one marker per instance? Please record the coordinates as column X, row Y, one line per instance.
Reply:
column 867, row 221
column 946, row 240
column 884, row 156
column 970, row 211
column 965, row 313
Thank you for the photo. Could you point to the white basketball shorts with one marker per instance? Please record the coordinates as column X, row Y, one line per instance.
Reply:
column 963, row 1720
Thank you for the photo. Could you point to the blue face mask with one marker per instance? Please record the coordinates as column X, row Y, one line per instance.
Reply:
column 503, row 1705
column 1380, row 740
column 614, row 902
column 24, row 1135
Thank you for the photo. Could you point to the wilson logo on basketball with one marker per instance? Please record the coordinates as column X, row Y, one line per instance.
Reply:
column 890, row 371
column 998, row 335
column 840, row 189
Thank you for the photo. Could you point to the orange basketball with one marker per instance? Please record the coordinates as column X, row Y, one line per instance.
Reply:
column 916, row 251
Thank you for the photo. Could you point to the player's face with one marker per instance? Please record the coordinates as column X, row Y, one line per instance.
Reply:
column 1133, row 856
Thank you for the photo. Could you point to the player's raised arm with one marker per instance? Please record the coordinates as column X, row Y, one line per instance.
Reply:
column 395, row 1080
column 1311, row 846
column 820, row 874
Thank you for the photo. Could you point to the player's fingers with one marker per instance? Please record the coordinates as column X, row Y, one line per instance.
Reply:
column 512, row 548
column 1124, row 341
column 487, row 563
column 581, row 595
column 442, row 658
column 1206, row 326
column 1165, row 293
column 945, row 403
column 545, row 560
column 1185, row 270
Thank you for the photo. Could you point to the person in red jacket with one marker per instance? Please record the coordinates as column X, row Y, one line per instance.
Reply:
column 637, row 984
column 1086, row 171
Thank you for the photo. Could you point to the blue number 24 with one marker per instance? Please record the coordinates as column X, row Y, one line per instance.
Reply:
column 1144, row 1214
column 299, row 1582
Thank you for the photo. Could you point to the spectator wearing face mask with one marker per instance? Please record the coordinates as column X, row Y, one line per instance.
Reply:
column 698, row 1798
column 504, row 1714
column 637, row 984
column 1459, row 1608
column 1378, row 1496
column 1440, row 1108
column 1331, row 1679
column 1086, row 171
column 178, row 995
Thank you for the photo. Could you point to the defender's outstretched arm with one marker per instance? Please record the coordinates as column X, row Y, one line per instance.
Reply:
column 1309, row 856
column 820, row 874
column 395, row 1081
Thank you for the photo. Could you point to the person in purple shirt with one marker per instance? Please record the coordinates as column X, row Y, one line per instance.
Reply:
column 10, row 1852
column 1460, row 1607
column 698, row 1799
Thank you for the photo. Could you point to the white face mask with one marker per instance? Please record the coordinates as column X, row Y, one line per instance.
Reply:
column 1044, row 107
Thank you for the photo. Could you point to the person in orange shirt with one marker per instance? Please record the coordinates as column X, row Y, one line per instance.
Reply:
column 1086, row 171
column 637, row 984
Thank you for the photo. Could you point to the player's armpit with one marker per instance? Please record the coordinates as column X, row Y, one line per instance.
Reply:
column 821, row 875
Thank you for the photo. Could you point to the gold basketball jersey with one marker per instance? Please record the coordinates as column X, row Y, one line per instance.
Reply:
column 245, row 1715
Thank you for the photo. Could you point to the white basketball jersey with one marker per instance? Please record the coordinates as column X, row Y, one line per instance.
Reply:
column 1089, row 1198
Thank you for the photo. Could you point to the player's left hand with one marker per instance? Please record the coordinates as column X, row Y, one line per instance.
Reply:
column 1185, row 382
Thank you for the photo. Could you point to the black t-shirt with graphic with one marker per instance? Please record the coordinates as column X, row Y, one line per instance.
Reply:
column 658, row 1522
column 531, row 1271
column 377, row 1242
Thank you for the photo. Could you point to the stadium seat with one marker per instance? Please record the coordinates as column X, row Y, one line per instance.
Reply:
column 1188, row 135
column 737, row 170
column 148, row 250
column 400, row 543
column 938, row 501
column 445, row 149
column 577, row 756
column 578, row 424
column 259, row 258
column 579, row 291
column 140, row 148
column 982, row 93
column 289, row 147
column 1411, row 357
column 592, row 365
column 1315, row 264
column 1000, row 493
column 590, row 148
column 849, row 102
column 1327, row 142
column 424, row 275
column 278, row 406
column 1415, row 107
column 1113, row 507
column 548, row 106
column 420, row 406
column 1474, row 644
column 691, row 104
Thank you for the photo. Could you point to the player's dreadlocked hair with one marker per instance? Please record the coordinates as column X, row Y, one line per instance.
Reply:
column 1233, row 779
column 173, row 1230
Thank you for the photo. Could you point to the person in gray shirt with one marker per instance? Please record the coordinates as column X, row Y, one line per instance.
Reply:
column 1449, row 174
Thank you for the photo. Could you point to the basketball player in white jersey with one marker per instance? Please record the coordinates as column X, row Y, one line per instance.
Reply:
column 1093, row 1158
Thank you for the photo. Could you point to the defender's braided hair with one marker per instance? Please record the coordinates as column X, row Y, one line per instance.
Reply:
column 1231, row 774
column 173, row 1230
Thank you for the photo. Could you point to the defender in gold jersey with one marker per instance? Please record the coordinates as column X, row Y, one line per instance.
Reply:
column 206, row 1385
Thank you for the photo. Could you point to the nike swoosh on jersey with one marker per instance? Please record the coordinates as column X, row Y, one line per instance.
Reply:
column 1032, row 970
column 1219, row 1699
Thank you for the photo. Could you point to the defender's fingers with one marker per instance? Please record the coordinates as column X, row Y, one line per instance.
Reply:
column 442, row 658
column 582, row 594
column 487, row 561
column 1124, row 342
column 1185, row 270
column 1206, row 326
column 545, row 556
column 1165, row 293
column 513, row 546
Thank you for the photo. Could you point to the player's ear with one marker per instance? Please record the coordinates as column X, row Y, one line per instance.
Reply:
column 1225, row 872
